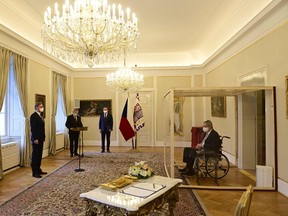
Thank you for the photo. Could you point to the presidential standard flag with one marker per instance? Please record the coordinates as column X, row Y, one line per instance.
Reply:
column 125, row 127
column 138, row 118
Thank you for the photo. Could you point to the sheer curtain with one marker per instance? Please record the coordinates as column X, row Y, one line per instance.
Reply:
column 5, row 56
column 58, row 80
column 20, row 74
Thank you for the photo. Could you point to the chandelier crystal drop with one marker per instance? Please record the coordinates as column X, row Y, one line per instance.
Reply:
column 89, row 32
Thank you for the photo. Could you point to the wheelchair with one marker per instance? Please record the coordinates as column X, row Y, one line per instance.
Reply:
column 211, row 163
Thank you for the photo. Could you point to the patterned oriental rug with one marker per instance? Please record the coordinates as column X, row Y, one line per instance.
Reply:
column 58, row 193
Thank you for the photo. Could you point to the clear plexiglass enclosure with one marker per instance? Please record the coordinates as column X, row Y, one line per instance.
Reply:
column 246, row 114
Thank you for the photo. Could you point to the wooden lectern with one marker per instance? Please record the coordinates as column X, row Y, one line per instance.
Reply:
column 80, row 129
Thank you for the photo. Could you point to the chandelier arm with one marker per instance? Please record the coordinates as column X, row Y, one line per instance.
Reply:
column 95, row 32
column 68, row 45
column 124, row 53
column 110, row 46
column 113, row 44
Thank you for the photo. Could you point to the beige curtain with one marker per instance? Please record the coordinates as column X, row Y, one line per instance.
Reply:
column 58, row 80
column 5, row 56
column 20, row 74
column 63, row 86
column 52, row 145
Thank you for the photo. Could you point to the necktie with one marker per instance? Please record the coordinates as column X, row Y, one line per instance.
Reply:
column 75, row 118
column 41, row 117
column 203, row 141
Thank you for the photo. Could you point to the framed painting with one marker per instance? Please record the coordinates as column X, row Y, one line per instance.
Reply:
column 218, row 106
column 178, row 116
column 91, row 108
column 42, row 99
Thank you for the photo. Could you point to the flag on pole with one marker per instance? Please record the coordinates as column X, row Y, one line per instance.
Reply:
column 138, row 118
column 125, row 127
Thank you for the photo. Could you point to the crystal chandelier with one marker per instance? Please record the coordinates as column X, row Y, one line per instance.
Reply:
column 89, row 32
column 125, row 79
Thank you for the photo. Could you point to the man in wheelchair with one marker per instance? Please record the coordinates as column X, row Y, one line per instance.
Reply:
column 210, row 142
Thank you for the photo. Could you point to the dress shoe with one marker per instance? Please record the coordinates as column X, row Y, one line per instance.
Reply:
column 37, row 176
column 42, row 173
column 108, row 151
column 76, row 154
column 71, row 155
column 183, row 169
column 102, row 151
column 189, row 172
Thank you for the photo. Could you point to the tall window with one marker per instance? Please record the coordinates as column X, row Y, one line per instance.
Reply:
column 15, row 114
column 11, row 116
column 60, row 117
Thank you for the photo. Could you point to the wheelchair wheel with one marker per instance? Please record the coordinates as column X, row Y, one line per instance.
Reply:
column 222, row 163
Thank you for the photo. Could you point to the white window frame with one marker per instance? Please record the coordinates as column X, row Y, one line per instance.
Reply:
column 3, row 113
column 60, row 116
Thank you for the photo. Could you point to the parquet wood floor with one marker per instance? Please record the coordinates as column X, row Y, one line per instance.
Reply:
column 216, row 202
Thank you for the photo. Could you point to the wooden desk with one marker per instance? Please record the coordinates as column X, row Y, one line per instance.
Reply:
column 104, row 202
column 80, row 129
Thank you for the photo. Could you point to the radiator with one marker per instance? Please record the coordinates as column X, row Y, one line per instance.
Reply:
column 10, row 155
column 264, row 176
column 59, row 141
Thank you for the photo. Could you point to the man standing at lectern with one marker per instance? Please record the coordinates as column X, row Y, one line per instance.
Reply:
column 105, row 128
column 74, row 121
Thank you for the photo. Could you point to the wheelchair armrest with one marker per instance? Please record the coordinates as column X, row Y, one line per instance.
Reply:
column 205, row 152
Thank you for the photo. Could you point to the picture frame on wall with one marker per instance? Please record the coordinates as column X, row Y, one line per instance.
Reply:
column 218, row 106
column 178, row 116
column 92, row 108
column 41, row 98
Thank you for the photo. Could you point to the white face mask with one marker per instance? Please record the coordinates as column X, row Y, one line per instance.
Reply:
column 205, row 129
column 41, row 109
column 105, row 111
column 75, row 114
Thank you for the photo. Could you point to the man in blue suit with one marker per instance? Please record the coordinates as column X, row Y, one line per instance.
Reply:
column 37, row 124
column 105, row 128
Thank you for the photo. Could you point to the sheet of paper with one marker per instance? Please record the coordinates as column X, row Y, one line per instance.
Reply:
column 143, row 190
column 149, row 186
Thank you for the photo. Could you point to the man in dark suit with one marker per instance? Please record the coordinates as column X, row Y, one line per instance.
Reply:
column 210, row 142
column 37, row 138
column 105, row 128
column 73, row 121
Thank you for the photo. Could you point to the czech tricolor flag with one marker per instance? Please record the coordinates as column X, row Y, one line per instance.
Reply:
column 125, row 127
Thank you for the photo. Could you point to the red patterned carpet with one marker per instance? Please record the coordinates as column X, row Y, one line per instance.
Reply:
column 58, row 193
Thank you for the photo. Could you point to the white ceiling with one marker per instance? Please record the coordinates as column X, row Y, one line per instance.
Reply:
column 173, row 33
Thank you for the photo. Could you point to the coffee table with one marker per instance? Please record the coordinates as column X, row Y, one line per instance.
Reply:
column 156, row 193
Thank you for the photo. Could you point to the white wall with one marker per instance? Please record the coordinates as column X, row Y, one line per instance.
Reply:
column 95, row 88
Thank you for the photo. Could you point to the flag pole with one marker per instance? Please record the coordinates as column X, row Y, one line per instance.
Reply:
column 132, row 140
column 132, row 143
column 135, row 140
